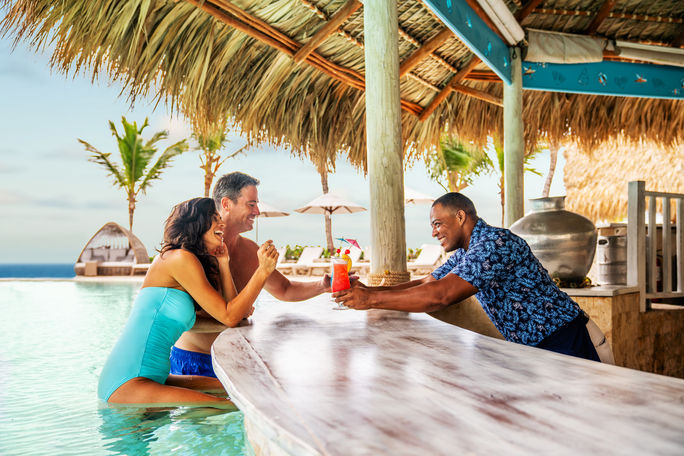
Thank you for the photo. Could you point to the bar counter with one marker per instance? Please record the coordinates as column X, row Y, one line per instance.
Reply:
column 315, row 381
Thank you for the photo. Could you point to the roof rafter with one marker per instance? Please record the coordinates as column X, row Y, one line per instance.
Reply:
column 328, row 29
column 603, row 13
column 634, row 17
column 423, row 51
column 455, row 79
column 527, row 10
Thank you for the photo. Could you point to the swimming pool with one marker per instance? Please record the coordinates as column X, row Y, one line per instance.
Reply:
column 54, row 339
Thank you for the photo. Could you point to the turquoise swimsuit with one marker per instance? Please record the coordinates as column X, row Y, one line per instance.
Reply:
column 158, row 318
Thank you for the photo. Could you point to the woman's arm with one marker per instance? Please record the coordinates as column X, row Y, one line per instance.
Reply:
column 188, row 272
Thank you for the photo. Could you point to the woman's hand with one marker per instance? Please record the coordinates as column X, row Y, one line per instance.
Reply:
column 268, row 257
column 221, row 253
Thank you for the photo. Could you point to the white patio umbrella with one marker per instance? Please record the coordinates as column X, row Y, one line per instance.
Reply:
column 415, row 197
column 266, row 210
column 329, row 204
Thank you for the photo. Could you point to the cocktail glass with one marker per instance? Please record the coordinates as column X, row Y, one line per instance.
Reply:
column 340, row 279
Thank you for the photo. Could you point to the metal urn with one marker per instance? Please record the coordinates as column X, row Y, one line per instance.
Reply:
column 563, row 241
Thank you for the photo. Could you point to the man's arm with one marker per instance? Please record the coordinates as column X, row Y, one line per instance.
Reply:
column 428, row 295
column 289, row 290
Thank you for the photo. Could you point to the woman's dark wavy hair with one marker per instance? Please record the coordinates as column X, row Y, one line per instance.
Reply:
column 184, row 229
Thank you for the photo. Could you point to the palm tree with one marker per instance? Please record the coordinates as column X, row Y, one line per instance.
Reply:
column 210, row 142
column 553, row 150
column 136, row 156
column 458, row 164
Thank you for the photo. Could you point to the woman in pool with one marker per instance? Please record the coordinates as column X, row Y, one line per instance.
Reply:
column 190, row 273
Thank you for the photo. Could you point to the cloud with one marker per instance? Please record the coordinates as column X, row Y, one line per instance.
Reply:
column 19, row 71
column 65, row 153
column 11, row 169
column 9, row 198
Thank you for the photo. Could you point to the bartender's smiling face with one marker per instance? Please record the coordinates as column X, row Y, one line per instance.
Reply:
column 448, row 227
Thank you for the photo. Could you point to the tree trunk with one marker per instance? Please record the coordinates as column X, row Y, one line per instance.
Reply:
column 131, row 210
column 503, row 200
column 208, row 178
column 328, row 223
column 553, row 148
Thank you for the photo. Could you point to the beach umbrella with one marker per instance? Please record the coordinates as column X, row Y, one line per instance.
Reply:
column 266, row 210
column 415, row 197
column 329, row 204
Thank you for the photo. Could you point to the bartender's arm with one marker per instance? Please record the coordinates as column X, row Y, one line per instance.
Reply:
column 425, row 295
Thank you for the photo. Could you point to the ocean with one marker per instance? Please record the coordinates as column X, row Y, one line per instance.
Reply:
column 33, row 271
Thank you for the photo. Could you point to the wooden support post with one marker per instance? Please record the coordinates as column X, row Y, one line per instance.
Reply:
column 328, row 29
column 514, row 143
column 384, row 143
column 636, row 240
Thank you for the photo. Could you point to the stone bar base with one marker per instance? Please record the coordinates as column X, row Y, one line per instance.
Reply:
column 387, row 278
column 651, row 341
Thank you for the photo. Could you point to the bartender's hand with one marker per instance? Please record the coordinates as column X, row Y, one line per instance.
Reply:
column 357, row 297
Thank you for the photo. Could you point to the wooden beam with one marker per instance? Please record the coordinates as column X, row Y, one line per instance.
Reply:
column 600, row 16
column 425, row 50
column 679, row 39
column 455, row 79
column 527, row 10
column 479, row 94
column 328, row 29
column 263, row 32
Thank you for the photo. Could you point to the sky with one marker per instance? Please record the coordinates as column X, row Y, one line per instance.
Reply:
column 52, row 199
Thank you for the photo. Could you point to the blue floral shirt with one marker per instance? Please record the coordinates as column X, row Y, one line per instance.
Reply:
column 514, row 289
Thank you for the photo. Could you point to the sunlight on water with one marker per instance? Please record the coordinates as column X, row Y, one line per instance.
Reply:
column 54, row 339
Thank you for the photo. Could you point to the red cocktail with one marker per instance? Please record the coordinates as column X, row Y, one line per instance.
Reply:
column 340, row 278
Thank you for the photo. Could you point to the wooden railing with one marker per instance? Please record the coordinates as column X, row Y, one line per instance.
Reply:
column 655, row 263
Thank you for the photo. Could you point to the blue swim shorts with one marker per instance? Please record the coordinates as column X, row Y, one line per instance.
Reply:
column 184, row 362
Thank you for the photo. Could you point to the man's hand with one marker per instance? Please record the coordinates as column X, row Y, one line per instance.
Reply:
column 357, row 297
column 326, row 281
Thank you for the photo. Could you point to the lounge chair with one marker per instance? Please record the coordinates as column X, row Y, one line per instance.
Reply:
column 304, row 263
column 430, row 255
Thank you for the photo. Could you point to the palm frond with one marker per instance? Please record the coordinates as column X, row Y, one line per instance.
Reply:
column 103, row 159
column 163, row 162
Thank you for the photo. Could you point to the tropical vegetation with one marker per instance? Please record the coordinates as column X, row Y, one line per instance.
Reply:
column 210, row 141
column 138, row 167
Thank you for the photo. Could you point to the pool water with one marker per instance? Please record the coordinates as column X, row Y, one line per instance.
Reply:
column 54, row 339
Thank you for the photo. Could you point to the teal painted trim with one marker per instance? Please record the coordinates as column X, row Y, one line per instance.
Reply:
column 622, row 79
column 467, row 25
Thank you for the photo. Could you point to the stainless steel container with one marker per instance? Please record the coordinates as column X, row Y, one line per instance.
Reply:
column 612, row 260
column 563, row 241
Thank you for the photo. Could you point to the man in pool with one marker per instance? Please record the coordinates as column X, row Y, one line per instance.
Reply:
column 236, row 197
column 498, row 267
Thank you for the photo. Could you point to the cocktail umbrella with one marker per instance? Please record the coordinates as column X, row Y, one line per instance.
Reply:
column 330, row 203
column 415, row 197
column 266, row 210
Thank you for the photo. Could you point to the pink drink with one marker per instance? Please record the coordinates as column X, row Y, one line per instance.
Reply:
column 340, row 277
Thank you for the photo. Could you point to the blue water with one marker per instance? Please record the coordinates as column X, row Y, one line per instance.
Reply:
column 28, row 271
column 54, row 339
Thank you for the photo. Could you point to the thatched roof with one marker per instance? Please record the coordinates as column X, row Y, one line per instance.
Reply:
column 596, row 183
column 114, row 243
column 214, row 59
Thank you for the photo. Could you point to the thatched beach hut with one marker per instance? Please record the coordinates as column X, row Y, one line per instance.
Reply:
column 596, row 181
column 112, row 251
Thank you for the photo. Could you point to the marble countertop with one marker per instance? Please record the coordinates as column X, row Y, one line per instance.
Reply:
column 313, row 380
column 601, row 290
